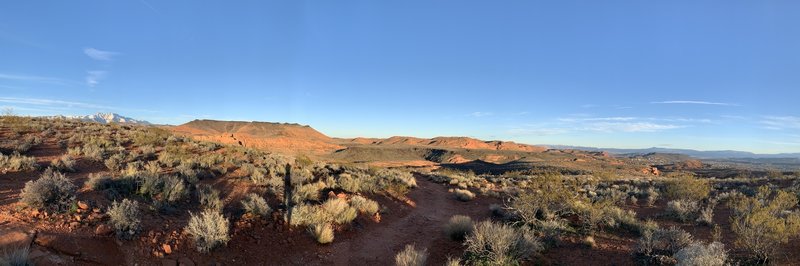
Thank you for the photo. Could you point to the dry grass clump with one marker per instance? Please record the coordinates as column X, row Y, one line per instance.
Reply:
column 51, row 191
column 16, row 162
column 463, row 194
column 663, row 242
column 339, row 211
column 322, row 232
column 124, row 218
column 209, row 198
column 64, row 163
column 499, row 244
column 458, row 227
column 411, row 256
column 713, row 254
column 208, row 230
column 683, row 209
column 364, row 205
column 255, row 205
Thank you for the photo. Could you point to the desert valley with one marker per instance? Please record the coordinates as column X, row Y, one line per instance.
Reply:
column 217, row 192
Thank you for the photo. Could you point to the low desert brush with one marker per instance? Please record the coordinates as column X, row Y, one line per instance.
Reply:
column 458, row 227
column 411, row 256
column 208, row 230
column 51, row 191
column 322, row 232
column 255, row 205
column 364, row 205
column 124, row 218
column 499, row 244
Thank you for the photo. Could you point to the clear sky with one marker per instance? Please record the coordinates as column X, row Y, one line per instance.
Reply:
column 683, row 74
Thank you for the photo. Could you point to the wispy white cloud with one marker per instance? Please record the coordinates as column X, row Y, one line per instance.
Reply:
column 48, row 102
column 93, row 77
column 582, row 119
column 480, row 114
column 98, row 54
column 536, row 131
column 611, row 127
column 31, row 78
column 695, row 102
column 781, row 122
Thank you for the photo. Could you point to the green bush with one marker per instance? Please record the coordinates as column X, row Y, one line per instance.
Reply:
column 124, row 218
column 686, row 186
column 765, row 222
column 51, row 191
column 208, row 230
column 411, row 256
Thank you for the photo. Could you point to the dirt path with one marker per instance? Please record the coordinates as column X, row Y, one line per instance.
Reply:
column 421, row 225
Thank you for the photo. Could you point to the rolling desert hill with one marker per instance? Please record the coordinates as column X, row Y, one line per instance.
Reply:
column 278, row 137
column 455, row 152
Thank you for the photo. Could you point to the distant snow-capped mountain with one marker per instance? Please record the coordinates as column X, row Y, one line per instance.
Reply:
column 104, row 118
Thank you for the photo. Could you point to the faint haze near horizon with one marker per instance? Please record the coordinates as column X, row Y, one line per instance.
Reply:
column 710, row 75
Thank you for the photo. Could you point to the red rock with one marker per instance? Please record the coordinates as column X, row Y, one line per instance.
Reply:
column 169, row 262
column 185, row 262
column 103, row 230
column 167, row 248
column 83, row 205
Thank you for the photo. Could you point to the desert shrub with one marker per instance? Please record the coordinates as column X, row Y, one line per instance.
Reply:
column 151, row 137
column 713, row 254
column 307, row 192
column 364, row 205
column 124, row 218
column 548, row 199
column 209, row 198
column 94, row 152
column 458, row 227
column 307, row 214
column 499, row 244
column 764, row 223
column 683, row 209
column 255, row 205
column 173, row 189
column 706, row 216
column 148, row 151
column 452, row 262
column 652, row 196
column 15, row 256
column 463, row 194
column 114, row 162
column 322, row 232
column 152, row 168
column 339, row 211
column 114, row 188
column 51, row 191
column 16, row 162
column 663, row 241
column 349, row 183
column 64, row 163
column 411, row 256
column 686, row 186
column 208, row 230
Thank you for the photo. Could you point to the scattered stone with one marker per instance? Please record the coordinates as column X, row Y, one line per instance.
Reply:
column 167, row 249
column 74, row 224
column 103, row 230
column 96, row 210
column 83, row 205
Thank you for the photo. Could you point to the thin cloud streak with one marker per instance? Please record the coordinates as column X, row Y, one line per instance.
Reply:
column 93, row 77
column 31, row 78
column 695, row 102
column 98, row 54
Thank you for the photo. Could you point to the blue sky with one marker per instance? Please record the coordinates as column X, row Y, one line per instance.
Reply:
column 684, row 74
